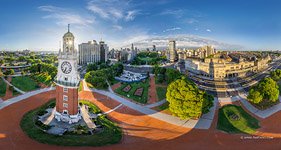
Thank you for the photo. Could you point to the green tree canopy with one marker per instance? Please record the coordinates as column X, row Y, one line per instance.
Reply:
column 269, row 89
column 276, row 75
column 266, row 89
column 186, row 100
column 92, row 67
column 171, row 75
column 255, row 96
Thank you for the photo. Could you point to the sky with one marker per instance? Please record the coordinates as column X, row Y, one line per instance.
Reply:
column 40, row 24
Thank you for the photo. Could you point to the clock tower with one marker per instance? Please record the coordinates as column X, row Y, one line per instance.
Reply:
column 67, row 82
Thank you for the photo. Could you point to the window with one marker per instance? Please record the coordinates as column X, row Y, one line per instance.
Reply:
column 65, row 78
column 65, row 105
column 65, row 90
column 65, row 98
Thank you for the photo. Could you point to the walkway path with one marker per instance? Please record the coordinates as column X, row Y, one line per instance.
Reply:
column 17, row 89
column 140, row 131
column 203, row 123
column 260, row 113
column 9, row 93
column 49, row 118
column 23, row 97
column 85, row 87
column 109, row 87
column 113, row 109
column 86, row 118
column 156, row 104
column 228, row 99
column 152, row 94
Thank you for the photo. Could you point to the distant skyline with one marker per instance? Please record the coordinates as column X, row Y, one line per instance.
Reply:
column 40, row 25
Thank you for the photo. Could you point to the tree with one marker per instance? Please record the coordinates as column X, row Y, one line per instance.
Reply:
column 92, row 67
column 254, row 96
column 1, row 73
column 9, row 72
column 159, row 73
column 269, row 89
column 186, row 100
column 103, row 66
column 276, row 75
column 23, row 72
column 266, row 90
column 118, row 67
column 98, row 78
column 171, row 75
column 2, row 61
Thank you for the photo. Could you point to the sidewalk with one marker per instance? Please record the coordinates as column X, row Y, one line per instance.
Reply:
column 156, row 104
column 203, row 123
column 17, row 89
column 260, row 113
column 23, row 97
column 86, row 118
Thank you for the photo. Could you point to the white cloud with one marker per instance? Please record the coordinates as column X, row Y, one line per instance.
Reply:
column 98, row 10
column 117, row 27
column 131, row 15
column 208, row 30
column 172, row 29
column 113, row 10
column 191, row 21
column 182, row 40
column 64, row 17
column 175, row 12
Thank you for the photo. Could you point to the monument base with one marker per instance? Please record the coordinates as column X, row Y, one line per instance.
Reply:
column 67, row 118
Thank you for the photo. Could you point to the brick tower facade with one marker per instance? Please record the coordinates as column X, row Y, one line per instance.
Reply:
column 67, row 82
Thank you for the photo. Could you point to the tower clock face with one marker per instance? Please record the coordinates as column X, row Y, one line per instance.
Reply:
column 66, row 67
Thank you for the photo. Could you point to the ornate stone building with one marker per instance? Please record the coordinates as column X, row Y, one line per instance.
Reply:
column 219, row 68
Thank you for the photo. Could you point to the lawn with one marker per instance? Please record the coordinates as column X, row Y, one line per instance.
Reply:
column 265, row 104
column 110, row 134
column 145, row 59
column 80, row 86
column 164, row 106
column 44, row 78
column 233, row 119
column 25, row 83
column 134, row 86
column 15, row 92
column 3, row 87
column 279, row 85
column 161, row 93
column 112, row 82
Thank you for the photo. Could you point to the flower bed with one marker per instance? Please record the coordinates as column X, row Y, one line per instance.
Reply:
column 139, row 92
column 127, row 88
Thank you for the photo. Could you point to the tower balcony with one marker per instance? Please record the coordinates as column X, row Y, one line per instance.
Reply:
column 67, row 84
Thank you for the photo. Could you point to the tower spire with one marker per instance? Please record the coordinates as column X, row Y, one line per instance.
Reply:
column 68, row 27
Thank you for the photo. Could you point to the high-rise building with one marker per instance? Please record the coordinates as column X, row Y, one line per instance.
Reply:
column 153, row 48
column 89, row 52
column 205, row 51
column 132, row 47
column 67, row 82
column 171, row 53
column 103, row 52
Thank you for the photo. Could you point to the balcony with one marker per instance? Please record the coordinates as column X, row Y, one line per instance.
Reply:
column 68, row 84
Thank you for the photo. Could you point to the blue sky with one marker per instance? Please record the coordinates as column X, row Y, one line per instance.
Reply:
column 40, row 24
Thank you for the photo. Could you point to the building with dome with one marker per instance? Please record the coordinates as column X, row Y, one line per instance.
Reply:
column 67, row 81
